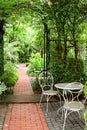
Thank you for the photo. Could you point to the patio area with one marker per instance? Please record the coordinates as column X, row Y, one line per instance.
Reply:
column 54, row 121
column 22, row 111
column 50, row 121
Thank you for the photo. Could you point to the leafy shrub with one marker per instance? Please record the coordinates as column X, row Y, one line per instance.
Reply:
column 10, row 75
column 85, row 89
column 35, row 64
column 35, row 85
column 57, row 68
column 9, row 91
column 73, row 71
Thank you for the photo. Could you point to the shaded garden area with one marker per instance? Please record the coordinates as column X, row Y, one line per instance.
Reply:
column 43, row 34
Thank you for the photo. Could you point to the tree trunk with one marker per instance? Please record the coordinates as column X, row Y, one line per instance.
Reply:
column 65, row 43
column 65, row 51
column 1, row 47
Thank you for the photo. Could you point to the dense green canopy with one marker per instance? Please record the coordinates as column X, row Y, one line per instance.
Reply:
column 58, row 25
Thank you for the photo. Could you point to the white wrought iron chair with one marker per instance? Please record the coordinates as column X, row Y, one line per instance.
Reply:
column 72, row 102
column 46, row 82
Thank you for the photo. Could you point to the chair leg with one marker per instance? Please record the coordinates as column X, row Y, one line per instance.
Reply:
column 41, row 98
column 65, row 116
column 63, row 111
column 60, row 99
column 59, row 109
column 79, row 113
column 47, row 98
column 47, row 103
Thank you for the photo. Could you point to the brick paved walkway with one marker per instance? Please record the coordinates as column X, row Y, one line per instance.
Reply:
column 23, row 85
column 29, row 116
column 26, row 116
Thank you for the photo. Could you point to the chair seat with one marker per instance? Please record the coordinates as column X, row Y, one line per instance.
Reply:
column 73, row 106
column 50, row 92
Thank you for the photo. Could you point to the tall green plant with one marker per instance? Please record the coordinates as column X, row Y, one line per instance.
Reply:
column 35, row 64
column 73, row 71
column 11, row 52
column 6, row 8
column 85, row 89
column 10, row 75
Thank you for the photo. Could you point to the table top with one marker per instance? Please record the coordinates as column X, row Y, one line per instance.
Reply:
column 70, row 86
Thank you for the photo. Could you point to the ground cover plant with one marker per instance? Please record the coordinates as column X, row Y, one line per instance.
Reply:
column 35, row 64
column 10, row 75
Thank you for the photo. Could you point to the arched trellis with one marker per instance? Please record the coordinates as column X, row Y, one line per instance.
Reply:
column 46, row 37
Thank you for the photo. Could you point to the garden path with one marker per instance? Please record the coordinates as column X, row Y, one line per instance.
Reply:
column 23, row 85
column 24, row 116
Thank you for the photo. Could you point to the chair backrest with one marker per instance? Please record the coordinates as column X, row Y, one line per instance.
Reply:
column 75, row 89
column 45, row 80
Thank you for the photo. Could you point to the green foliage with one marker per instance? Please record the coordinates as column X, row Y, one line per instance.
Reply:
column 65, row 19
column 35, row 85
column 85, row 116
column 9, row 91
column 10, row 75
column 73, row 71
column 85, row 90
column 57, row 68
column 11, row 52
column 21, row 39
column 35, row 64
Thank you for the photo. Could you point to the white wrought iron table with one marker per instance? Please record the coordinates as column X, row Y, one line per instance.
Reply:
column 69, row 86
column 73, row 88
